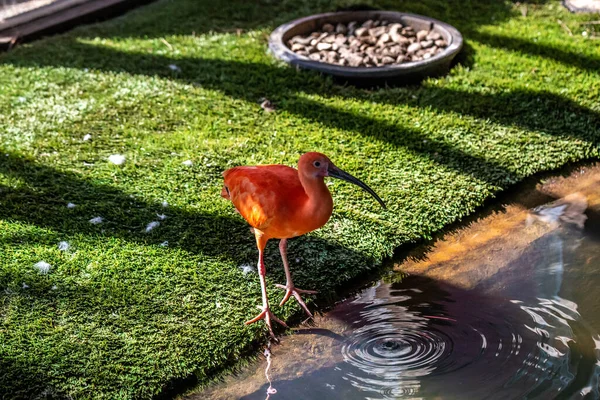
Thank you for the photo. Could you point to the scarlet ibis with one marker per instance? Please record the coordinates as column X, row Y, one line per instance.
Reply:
column 280, row 202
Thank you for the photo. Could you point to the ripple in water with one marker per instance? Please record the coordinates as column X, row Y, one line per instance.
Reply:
column 388, row 355
column 446, row 343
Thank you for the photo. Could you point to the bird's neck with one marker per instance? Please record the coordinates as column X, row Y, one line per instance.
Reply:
column 319, row 203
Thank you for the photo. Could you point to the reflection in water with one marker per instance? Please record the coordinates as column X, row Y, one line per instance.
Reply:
column 522, row 340
column 568, row 337
column 516, row 333
column 441, row 341
column 393, row 345
column 270, row 390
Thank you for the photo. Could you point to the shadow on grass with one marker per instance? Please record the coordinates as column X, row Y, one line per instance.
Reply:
column 532, row 110
column 188, row 17
column 41, row 200
column 43, row 197
column 527, row 47
column 191, row 17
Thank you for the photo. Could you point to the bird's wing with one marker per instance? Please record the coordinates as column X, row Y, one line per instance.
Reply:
column 258, row 193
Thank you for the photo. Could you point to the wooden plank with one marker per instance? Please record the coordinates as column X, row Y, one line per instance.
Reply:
column 38, row 13
column 61, row 19
column 15, row 8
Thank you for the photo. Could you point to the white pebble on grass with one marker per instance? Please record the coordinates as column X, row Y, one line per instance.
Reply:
column 117, row 159
column 247, row 268
column 43, row 267
column 71, row 205
column 54, row 287
column 152, row 225
column 96, row 220
column 25, row 286
column 87, row 137
column 162, row 217
column 188, row 163
column 64, row 246
column 164, row 244
column 174, row 68
column 165, row 204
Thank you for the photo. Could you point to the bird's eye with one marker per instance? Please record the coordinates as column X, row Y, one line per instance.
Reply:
column 317, row 164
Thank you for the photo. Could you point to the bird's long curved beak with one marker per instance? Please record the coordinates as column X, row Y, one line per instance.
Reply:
column 335, row 172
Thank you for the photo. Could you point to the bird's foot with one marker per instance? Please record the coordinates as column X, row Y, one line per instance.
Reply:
column 267, row 315
column 291, row 290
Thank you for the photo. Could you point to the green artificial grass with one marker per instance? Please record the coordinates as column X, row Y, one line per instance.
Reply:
column 122, row 313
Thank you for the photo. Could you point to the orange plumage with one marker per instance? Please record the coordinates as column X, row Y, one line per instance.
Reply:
column 271, row 198
column 280, row 202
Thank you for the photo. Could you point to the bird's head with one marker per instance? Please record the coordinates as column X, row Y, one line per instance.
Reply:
column 317, row 166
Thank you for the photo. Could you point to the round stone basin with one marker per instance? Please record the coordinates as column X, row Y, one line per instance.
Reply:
column 409, row 72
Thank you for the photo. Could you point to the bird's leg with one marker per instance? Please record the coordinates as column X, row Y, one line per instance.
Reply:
column 290, row 289
column 266, row 313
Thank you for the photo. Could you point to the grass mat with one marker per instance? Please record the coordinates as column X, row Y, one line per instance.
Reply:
column 124, row 310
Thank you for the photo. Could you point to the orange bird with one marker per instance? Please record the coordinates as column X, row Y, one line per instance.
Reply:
column 280, row 202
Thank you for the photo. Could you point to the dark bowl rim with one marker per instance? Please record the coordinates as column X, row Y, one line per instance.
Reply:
column 283, row 52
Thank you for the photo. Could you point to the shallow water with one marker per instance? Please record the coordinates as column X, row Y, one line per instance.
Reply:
column 526, row 328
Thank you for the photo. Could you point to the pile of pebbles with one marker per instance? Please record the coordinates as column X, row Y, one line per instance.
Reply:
column 368, row 44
